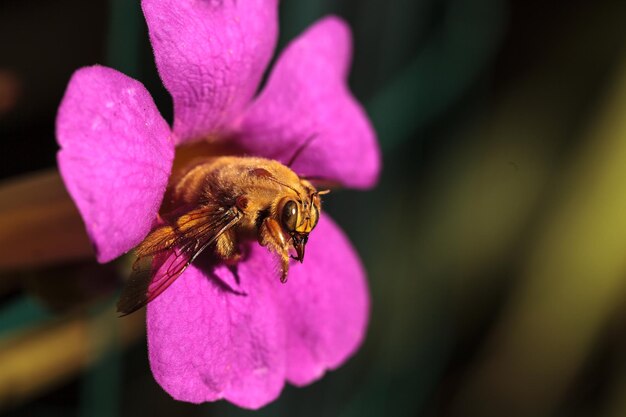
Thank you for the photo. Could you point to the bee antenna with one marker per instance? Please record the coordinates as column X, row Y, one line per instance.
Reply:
column 284, row 185
column 301, row 148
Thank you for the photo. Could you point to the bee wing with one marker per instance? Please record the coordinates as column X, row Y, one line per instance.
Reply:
column 166, row 252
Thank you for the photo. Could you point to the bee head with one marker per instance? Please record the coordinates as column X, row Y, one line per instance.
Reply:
column 298, row 217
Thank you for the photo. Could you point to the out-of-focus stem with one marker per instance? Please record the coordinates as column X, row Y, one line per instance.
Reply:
column 39, row 223
column 40, row 358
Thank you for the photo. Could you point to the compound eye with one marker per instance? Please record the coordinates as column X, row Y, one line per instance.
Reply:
column 289, row 216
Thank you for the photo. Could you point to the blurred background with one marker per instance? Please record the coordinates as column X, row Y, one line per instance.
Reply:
column 495, row 242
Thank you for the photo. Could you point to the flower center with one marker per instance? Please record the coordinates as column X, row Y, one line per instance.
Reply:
column 211, row 147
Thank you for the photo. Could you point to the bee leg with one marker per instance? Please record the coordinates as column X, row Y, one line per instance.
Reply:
column 227, row 249
column 271, row 235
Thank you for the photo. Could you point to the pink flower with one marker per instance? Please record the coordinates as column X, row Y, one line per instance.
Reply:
column 206, row 342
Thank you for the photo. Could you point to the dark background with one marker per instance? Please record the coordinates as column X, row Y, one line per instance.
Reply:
column 495, row 242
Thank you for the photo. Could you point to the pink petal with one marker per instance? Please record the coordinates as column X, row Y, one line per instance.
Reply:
column 325, row 303
column 207, row 341
column 211, row 56
column 307, row 96
column 115, row 157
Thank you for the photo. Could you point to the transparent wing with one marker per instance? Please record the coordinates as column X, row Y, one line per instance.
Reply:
column 167, row 251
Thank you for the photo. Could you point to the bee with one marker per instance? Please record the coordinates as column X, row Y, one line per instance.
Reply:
column 220, row 203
